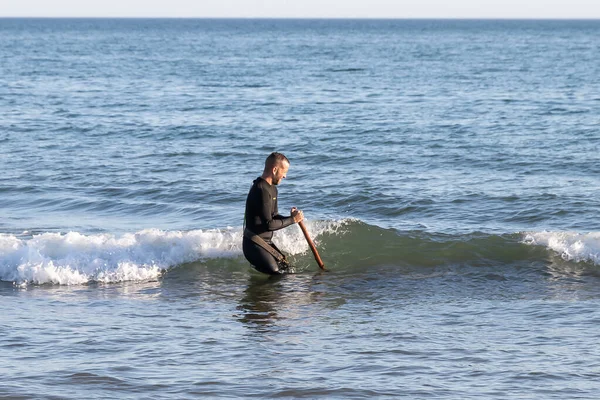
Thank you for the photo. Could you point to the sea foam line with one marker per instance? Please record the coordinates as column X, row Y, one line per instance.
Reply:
column 571, row 246
column 75, row 258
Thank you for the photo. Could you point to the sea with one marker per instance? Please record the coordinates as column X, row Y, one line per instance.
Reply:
column 448, row 170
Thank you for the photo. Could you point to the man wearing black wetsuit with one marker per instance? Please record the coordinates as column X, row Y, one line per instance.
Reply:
column 262, row 217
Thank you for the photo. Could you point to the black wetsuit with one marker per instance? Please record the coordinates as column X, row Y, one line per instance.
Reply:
column 262, row 218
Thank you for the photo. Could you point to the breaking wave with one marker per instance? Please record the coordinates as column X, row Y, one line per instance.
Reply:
column 75, row 258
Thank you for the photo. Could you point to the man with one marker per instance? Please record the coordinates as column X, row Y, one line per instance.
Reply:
column 262, row 218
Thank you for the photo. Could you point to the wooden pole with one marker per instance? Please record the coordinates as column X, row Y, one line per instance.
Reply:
column 312, row 245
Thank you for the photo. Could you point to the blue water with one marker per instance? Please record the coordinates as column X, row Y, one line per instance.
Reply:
column 448, row 170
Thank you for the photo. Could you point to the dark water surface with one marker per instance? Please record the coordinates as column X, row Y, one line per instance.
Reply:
column 449, row 171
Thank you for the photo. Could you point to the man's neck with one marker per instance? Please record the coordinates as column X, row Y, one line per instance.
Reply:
column 267, row 178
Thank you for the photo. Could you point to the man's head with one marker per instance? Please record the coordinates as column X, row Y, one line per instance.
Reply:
column 276, row 167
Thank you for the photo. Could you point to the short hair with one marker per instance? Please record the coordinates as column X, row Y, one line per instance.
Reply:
column 275, row 158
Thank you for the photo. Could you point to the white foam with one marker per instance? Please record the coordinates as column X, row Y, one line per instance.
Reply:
column 75, row 258
column 291, row 240
column 571, row 246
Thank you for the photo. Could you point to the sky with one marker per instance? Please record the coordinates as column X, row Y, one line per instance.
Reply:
column 303, row 8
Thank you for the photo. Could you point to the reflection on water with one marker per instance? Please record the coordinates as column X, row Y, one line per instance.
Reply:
column 280, row 300
column 261, row 300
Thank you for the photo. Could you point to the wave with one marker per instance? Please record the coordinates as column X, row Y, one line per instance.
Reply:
column 571, row 246
column 366, row 245
column 346, row 69
column 75, row 258
column 345, row 245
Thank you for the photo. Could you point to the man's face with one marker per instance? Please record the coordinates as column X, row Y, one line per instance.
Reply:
column 279, row 172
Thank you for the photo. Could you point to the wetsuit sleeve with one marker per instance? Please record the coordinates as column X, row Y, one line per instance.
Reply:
column 285, row 221
column 269, row 213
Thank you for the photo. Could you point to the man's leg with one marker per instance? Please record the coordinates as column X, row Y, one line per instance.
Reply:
column 260, row 259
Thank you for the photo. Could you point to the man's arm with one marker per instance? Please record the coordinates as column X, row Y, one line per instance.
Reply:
column 295, row 214
column 272, row 222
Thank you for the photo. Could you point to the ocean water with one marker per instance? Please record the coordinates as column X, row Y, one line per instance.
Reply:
column 449, row 172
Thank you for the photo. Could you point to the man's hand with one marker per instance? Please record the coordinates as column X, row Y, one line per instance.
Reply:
column 297, row 215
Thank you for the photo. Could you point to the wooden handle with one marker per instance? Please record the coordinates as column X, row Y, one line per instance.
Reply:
column 311, row 245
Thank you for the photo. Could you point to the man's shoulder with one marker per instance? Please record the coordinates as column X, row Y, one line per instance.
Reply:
column 262, row 184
